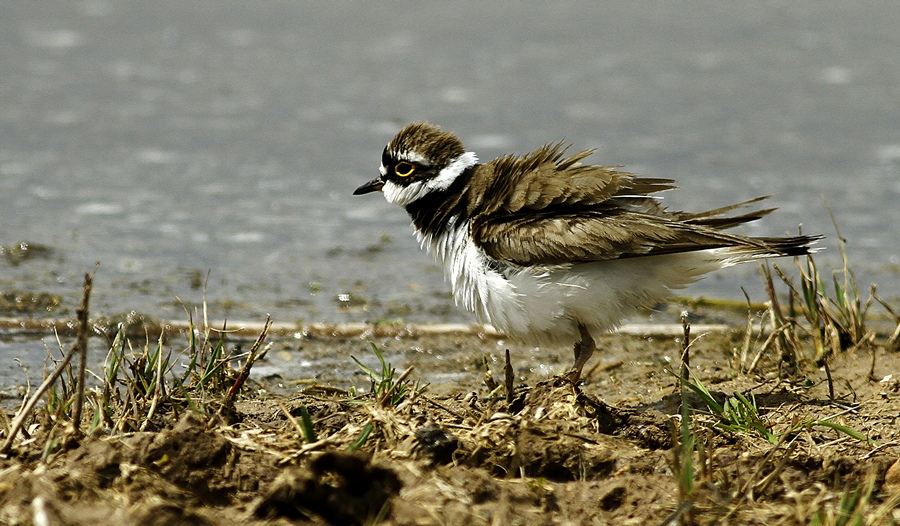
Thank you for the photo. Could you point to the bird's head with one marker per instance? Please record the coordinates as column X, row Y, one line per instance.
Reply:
column 419, row 160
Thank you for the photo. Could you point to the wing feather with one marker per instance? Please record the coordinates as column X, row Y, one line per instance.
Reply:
column 546, row 177
column 549, row 209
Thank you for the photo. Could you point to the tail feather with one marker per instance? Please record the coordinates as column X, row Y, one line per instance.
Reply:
column 771, row 247
column 713, row 218
column 747, row 248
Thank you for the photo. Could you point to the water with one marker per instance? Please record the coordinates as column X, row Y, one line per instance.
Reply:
column 170, row 140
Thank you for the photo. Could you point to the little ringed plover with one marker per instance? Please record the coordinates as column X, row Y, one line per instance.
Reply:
column 549, row 249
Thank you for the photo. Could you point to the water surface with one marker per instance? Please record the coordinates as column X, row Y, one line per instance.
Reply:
column 173, row 140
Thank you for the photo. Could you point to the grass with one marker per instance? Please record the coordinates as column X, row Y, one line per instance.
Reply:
column 142, row 387
column 828, row 312
column 815, row 323
column 387, row 390
column 135, row 386
column 817, row 318
column 304, row 426
column 855, row 507
column 740, row 414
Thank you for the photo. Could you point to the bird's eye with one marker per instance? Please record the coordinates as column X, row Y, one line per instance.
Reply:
column 404, row 169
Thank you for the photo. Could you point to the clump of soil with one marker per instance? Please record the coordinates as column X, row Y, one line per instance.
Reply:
column 598, row 453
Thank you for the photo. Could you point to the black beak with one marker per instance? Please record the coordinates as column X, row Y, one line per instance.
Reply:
column 372, row 186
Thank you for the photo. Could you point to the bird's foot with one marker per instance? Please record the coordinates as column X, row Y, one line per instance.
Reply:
column 583, row 351
column 574, row 375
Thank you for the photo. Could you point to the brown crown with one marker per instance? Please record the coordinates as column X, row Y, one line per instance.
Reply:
column 437, row 147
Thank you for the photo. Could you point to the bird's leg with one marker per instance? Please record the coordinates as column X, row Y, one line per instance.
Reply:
column 583, row 351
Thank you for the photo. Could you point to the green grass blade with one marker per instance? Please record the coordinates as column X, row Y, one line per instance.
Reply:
column 309, row 434
column 700, row 390
column 363, row 436
column 844, row 429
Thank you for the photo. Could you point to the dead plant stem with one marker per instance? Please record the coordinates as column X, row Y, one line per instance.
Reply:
column 26, row 409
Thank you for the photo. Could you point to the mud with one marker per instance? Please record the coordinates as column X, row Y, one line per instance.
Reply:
column 458, row 452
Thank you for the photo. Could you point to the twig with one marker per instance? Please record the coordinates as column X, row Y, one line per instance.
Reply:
column 685, row 348
column 683, row 442
column 252, row 357
column 749, row 486
column 445, row 408
column 830, row 381
column 26, row 409
column 509, row 377
column 745, row 348
column 674, row 517
column 81, row 346
column 761, row 487
column 871, row 376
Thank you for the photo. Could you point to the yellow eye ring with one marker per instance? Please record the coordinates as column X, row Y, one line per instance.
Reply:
column 404, row 169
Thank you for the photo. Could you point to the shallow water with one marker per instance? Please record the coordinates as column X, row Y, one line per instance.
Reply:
column 171, row 140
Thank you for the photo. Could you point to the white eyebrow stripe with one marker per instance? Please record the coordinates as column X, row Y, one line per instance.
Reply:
column 413, row 157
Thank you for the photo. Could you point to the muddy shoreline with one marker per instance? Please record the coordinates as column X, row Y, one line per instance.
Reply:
column 457, row 452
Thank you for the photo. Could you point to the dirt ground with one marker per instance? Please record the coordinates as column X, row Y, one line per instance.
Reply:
column 458, row 452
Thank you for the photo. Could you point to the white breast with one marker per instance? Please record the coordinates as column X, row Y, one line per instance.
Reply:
column 523, row 304
column 545, row 305
column 475, row 285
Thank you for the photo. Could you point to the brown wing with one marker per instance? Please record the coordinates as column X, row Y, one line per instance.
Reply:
column 552, row 210
column 556, row 238
column 545, row 178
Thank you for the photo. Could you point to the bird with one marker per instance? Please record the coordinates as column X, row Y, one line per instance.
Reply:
column 551, row 250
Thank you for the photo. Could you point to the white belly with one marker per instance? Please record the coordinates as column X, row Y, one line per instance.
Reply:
column 545, row 305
